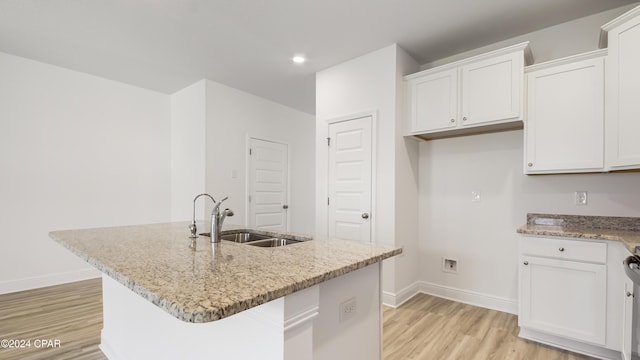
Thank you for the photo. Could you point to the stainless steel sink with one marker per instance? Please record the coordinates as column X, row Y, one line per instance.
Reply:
column 256, row 238
column 274, row 242
column 244, row 237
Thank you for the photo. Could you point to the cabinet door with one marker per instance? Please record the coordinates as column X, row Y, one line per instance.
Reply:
column 627, row 320
column 564, row 298
column 492, row 90
column 433, row 101
column 564, row 128
column 623, row 96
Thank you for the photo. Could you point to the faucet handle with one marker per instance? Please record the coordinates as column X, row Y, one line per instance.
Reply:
column 194, row 230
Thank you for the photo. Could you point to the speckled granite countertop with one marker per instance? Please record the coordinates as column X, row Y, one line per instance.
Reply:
column 623, row 229
column 203, row 283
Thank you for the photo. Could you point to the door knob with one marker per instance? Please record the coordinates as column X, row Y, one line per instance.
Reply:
column 365, row 215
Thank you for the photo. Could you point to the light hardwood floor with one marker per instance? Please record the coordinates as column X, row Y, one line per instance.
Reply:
column 425, row 327
column 428, row 327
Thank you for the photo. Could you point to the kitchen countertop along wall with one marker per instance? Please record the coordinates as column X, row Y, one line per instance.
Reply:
column 202, row 282
column 623, row 229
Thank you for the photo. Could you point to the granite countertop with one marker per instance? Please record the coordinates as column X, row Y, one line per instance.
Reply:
column 197, row 282
column 623, row 229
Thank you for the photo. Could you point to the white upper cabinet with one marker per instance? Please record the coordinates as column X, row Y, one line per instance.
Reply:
column 492, row 90
column 564, row 124
column 622, row 84
column 479, row 94
column 433, row 101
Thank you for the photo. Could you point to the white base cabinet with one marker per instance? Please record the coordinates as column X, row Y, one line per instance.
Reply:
column 627, row 322
column 577, row 309
column 572, row 295
column 563, row 288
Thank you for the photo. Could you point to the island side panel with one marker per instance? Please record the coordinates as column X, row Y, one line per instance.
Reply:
column 355, row 335
column 134, row 328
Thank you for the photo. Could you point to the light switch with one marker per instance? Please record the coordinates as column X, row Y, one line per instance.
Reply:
column 475, row 196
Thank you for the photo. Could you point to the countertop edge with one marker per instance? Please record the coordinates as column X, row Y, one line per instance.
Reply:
column 582, row 233
column 210, row 315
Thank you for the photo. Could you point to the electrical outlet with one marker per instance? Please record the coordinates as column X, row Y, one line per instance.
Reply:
column 580, row 197
column 348, row 309
column 450, row 265
column 475, row 196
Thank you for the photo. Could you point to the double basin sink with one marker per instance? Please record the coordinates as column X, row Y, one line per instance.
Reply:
column 257, row 238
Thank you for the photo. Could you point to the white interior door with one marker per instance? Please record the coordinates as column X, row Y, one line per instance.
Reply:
column 350, row 179
column 268, row 184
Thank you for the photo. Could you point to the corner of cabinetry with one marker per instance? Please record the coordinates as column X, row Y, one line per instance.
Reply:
column 604, row 29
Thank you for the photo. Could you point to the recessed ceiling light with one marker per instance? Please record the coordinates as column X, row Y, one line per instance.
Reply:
column 298, row 59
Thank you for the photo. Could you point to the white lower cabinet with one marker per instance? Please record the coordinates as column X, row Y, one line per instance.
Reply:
column 571, row 295
column 565, row 298
column 627, row 322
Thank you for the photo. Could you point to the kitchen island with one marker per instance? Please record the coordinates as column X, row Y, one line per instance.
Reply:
column 168, row 296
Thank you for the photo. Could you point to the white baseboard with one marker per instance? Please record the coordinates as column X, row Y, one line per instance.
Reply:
column 11, row 286
column 108, row 351
column 396, row 299
column 571, row 345
column 470, row 297
column 446, row 292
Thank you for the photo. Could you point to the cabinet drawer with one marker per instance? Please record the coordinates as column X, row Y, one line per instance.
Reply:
column 589, row 251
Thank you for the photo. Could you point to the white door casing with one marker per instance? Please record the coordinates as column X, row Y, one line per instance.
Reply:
column 268, row 184
column 350, row 179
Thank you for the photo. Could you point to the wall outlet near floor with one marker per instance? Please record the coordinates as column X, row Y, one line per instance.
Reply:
column 580, row 197
column 450, row 265
column 348, row 309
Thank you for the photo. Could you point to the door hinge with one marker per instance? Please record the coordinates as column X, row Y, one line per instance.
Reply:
column 250, row 151
column 327, row 201
column 249, row 198
column 328, row 141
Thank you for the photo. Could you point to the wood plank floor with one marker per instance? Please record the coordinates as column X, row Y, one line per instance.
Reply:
column 428, row 327
column 71, row 313
column 425, row 327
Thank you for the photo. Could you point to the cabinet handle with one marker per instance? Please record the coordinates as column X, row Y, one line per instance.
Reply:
column 530, row 164
column 453, row 120
column 561, row 249
column 464, row 118
column 526, row 263
column 365, row 215
column 629, row 294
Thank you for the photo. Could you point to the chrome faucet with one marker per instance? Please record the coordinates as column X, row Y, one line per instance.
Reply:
column 193, row 227
column 217, row 218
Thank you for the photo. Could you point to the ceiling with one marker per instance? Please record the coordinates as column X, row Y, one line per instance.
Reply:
column 166, row 45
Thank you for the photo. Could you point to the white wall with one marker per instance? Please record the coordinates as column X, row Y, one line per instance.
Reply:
column 482, row 236
column 372, row 84
column 570, row 38
column 406, row 191
column 75, row 151
column 364, row 84
column 232, row 117
column 188, row 135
